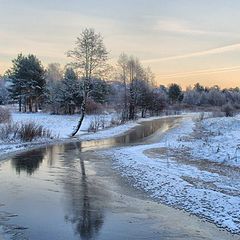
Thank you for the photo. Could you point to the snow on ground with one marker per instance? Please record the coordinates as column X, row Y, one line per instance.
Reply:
column 61, row 127
column 220, row 141
column 208, row 193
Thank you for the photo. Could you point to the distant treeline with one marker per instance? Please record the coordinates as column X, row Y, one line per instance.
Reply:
column 89, row 84
column 59, row 91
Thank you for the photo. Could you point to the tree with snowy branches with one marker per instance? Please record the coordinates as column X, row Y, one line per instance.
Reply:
column 89, row 59
column 27, row 81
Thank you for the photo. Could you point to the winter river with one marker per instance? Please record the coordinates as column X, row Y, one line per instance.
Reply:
column 70, row 191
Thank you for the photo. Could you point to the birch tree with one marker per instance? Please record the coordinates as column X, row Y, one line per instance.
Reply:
column 89, row 58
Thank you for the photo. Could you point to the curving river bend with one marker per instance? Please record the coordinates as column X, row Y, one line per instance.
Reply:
column 70, row 191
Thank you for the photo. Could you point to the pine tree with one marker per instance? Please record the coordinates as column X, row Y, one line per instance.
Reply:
column 27, row 81
column 70, row 91
column 175, row 93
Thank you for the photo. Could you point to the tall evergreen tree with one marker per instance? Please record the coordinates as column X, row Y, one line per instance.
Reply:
column 27, row 81
column 175, row 93
column 71, row 91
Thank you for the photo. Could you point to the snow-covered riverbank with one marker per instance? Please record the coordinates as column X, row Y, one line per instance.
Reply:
column 61, row 127
column 188, row 169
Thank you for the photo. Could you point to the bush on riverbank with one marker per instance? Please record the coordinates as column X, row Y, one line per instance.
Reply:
column 24, row 132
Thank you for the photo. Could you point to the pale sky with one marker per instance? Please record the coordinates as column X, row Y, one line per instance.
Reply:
column 183, row 41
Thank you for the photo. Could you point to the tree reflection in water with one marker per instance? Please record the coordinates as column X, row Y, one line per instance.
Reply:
column 28, row 162
column 83, row 196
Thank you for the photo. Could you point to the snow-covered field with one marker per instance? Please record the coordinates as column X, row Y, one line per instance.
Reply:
column 219, row 141
column 61, row 126
column 194, row 167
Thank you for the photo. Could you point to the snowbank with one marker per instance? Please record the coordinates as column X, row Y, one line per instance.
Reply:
column 221, row 141
column 209, row 193
column 61, row 126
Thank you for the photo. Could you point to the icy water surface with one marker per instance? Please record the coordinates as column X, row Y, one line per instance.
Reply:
column 70, row 192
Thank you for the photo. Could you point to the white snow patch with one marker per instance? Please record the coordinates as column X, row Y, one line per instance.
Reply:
column 207, row 194
column 223, row 143
column 61, row 126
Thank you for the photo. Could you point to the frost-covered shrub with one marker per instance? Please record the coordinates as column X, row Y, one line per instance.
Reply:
column 200, row 117
column 25, row 132
column 228, row 109
column 192, row 97
column 9, row 132
column 30, row 131
column 116, row 120
column 216, row 97
column 93, row 127
column 97, row 123
column 5, row 115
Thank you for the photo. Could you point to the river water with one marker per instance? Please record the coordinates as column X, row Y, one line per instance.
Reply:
column 70, row 191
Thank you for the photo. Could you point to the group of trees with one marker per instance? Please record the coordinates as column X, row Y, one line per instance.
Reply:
column 64, row 91
column 85, row 84
column 138, row 86
column 214, row 96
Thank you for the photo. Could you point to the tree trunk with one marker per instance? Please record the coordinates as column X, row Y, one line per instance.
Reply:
column 20, row 104
column 125, row 110
column 36, row 105
column 131, row 111
column 30, row 105
column 143, row 113
column 25, row 104
column 83, row 110
column 132, row 104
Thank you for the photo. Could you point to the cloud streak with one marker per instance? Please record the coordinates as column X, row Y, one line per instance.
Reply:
column 200, row 72
column 177, row 26
column 224, row 49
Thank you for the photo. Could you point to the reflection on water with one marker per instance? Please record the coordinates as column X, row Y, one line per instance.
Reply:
column 83, row 212
column 28, row 162
column 137, row 135
column 61, row 196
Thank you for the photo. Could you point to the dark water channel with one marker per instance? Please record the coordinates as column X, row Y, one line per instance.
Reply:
column 70, row 192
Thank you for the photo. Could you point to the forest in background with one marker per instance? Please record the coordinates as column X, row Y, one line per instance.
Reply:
column 90, row 84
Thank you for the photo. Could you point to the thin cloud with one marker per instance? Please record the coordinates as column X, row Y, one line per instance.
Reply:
column 201, row 72
column 228, row 48
column 176, row 26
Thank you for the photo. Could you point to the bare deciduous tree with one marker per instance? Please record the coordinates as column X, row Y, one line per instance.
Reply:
column 89, row 58
column 123, row 64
